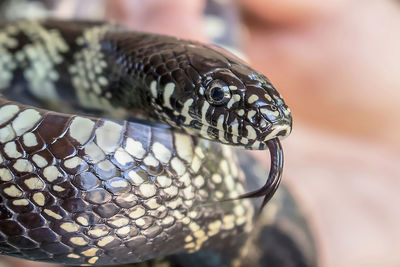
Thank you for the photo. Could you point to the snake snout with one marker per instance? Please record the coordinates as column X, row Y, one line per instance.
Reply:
column 281, row 119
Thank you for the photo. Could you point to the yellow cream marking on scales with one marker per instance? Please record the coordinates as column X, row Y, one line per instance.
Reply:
column 135, row 148
column 21, row 202
column 52, row 214
column 93, row 260
column 40, row 161
column 73, row 256
column 137, row 212
column 153, row 88
column 135, row 177
column 7, row 112
column 120, row 222
column 88, row 70
column 39, row 199
column 252, row 99
column 119, row 183
column 161, row 153
column 7, row 134
column 80, row 241
column 51, row 173
column 235, row 98
column 81, row 129
column 73, row 163
column 90, row 252
column 25, row 121
column 11, row 150
column 69, row 227
column 184, row 147
column 172, row 191
column 94, row 152
column 147, row 190
column 151, row 161
column 82, row 220
column 58, row 188
column 30, row 140
column 204, row 122
column 185, row 111
column 277, row 130
column 7, row 62
column 178, row 166
column 105, row 241
column 163, row 181
column 268, row 112
column 251, row 114
column 123, row 157
column 108, row 136
column 251, row 133
column 23, row 165
column 34, row 183
column 168, row 91
column 37, row 63
column 12, row 191
column 5, row 175
column 98, row 232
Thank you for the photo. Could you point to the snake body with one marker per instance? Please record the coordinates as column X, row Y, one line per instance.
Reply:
column 80, row 189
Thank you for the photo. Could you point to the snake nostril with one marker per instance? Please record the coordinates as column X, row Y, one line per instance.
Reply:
column 264, row 123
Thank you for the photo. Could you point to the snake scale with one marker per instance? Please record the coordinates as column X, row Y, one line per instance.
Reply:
column 77, row 188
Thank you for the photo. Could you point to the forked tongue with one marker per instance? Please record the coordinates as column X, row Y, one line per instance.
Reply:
column 274, row 177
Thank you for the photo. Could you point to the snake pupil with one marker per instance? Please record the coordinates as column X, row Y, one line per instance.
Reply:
column 217, row 94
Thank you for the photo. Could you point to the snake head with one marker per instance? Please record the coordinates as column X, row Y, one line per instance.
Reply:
column 233, row 103
column 215, row 95
column 245, row 108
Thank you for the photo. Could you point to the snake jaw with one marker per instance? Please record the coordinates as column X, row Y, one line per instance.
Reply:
column 274, row 177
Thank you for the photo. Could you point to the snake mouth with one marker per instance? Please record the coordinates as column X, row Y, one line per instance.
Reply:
column 226, row 137
column 280, row 130
column 274, row 176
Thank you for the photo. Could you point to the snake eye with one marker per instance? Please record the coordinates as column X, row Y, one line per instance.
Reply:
column 218, row 93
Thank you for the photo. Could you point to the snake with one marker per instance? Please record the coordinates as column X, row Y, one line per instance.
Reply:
column 116, row 146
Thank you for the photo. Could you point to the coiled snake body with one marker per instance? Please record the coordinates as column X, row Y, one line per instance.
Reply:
column 79, row 189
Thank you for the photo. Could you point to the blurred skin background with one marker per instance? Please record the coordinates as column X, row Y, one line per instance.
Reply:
column 337, row 64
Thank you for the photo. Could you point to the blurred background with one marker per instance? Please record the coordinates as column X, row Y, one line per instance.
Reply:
column 337, row 64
